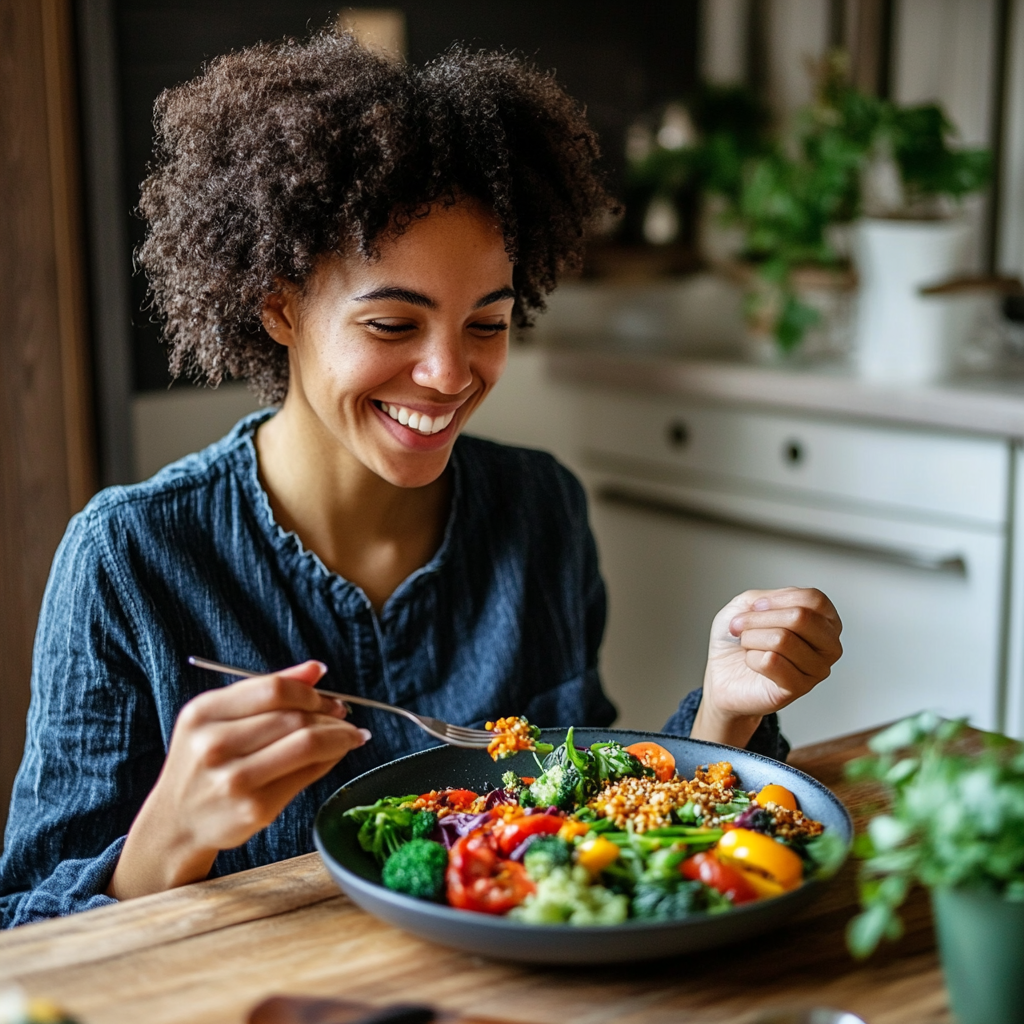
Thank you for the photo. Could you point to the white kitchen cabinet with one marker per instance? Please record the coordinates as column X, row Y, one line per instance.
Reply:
column 908, row 530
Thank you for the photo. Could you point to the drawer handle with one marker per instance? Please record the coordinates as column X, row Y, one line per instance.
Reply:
column 912, row 558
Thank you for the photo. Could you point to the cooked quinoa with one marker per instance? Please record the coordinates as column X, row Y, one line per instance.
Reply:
column 793, row 824
column 510, row 736
column 648, row 803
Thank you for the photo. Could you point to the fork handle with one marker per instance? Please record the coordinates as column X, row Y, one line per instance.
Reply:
column 245, row 673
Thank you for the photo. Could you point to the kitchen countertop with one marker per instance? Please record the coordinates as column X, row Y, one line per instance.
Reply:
column 984, row 402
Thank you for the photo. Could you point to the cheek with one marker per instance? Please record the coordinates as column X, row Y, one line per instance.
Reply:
column 492, row 362
column 337, row 369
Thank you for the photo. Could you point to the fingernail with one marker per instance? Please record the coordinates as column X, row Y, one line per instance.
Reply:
column 736, row 626
column 321, row 666
column 366, row 734
column 762, row 604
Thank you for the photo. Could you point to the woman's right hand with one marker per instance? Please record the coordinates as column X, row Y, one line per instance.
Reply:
column 238, row 755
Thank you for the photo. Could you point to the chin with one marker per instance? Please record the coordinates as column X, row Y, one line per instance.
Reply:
column 420, row 474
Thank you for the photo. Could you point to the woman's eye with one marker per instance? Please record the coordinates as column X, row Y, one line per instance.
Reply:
column 386, row 327
column 489, row 328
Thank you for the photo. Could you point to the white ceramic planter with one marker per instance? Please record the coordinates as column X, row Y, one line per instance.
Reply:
column 900, row 335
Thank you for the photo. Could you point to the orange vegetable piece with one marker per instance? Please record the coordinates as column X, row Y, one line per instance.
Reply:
column 655, row 756
column 775, row 794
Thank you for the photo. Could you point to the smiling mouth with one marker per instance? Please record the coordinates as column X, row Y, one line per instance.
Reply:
column 418, row 421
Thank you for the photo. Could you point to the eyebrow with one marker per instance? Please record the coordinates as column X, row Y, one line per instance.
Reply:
column 425, row 301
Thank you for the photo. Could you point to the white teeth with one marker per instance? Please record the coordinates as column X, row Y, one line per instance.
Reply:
column 418, row 421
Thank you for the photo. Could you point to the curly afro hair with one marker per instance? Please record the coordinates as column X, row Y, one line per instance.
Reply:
column 281, row 154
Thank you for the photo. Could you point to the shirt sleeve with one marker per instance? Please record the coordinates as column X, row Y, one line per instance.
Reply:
column 767, row 738
column 93, row 746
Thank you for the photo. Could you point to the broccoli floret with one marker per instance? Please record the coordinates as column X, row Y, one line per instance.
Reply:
column 417, row 869
column 544, row 855
column 512, row 783
column 557, row 787
column 566, row 896
column 423, row 824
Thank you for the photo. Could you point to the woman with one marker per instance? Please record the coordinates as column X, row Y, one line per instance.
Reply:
column 354, row 237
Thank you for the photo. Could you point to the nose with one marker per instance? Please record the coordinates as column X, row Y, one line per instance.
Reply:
column 444, row 363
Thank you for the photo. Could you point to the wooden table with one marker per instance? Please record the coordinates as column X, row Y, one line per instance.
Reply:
column 209, row 952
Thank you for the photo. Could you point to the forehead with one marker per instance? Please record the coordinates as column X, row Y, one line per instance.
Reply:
column 460, row 243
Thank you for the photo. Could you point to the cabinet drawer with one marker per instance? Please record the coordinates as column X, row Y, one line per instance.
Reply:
column 891, row 469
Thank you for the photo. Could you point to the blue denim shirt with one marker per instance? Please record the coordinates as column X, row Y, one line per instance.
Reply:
column 507, row 617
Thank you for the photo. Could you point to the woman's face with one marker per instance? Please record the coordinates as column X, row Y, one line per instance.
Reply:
column 389, row 358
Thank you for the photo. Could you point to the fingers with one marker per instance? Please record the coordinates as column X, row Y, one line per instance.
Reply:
column 791, row 636
column 288, row 690
column 221, row 741
column 789, row 681
column 788, row 597
column 323, row 743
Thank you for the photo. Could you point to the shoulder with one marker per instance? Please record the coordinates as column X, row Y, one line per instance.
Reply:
column 177, row 484
column 192, row 492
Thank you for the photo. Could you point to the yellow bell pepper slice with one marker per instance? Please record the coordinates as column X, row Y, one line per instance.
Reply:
column 775, row 794
column 764, row 887
column 748, row 849
column 596, row 854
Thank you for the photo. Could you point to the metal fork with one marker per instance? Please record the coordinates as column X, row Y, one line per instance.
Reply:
column 456, row 735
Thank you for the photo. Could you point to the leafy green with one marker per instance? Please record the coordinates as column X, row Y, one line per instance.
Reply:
column 384, row 826
column 672, row 896
column 956, row 820
column 417, row 869
column 613, row 762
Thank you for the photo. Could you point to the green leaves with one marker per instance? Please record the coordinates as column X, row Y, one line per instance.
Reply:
column 956, row 819
column 384, row 826
column 786, row 192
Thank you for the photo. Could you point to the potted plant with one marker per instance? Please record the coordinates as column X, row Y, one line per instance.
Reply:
column 848, row 154
column 956, row 826
column 780, row 197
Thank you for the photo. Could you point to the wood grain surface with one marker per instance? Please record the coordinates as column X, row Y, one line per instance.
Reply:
column 211, row 952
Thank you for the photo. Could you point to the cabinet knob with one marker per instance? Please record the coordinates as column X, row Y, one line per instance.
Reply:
column 678, row 434
column 793, row 452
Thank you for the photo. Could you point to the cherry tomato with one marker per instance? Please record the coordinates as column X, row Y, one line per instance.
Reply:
column 514, row 832
column 477, row 879
column 456, row 799
column 707, row 868
column 655, row 756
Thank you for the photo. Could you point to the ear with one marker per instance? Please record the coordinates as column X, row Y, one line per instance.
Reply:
column 280, row 314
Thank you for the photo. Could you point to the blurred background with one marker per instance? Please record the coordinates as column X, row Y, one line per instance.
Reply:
column 797, row 357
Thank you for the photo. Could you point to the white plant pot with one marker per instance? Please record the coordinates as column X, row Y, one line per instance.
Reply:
column 899, row 334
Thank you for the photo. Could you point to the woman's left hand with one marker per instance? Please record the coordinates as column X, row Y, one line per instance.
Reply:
column 768, row 647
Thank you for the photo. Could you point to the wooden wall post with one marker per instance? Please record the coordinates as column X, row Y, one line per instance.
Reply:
column 47, row 465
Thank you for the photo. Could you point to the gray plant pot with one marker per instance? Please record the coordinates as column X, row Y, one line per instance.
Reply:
column 981, row 942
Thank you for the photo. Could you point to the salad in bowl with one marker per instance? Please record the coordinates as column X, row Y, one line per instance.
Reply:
column 595, row 835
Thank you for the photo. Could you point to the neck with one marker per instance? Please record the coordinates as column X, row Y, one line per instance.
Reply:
column 362, row 527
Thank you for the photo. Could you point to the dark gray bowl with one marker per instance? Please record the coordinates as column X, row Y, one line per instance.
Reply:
column 441, row 767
